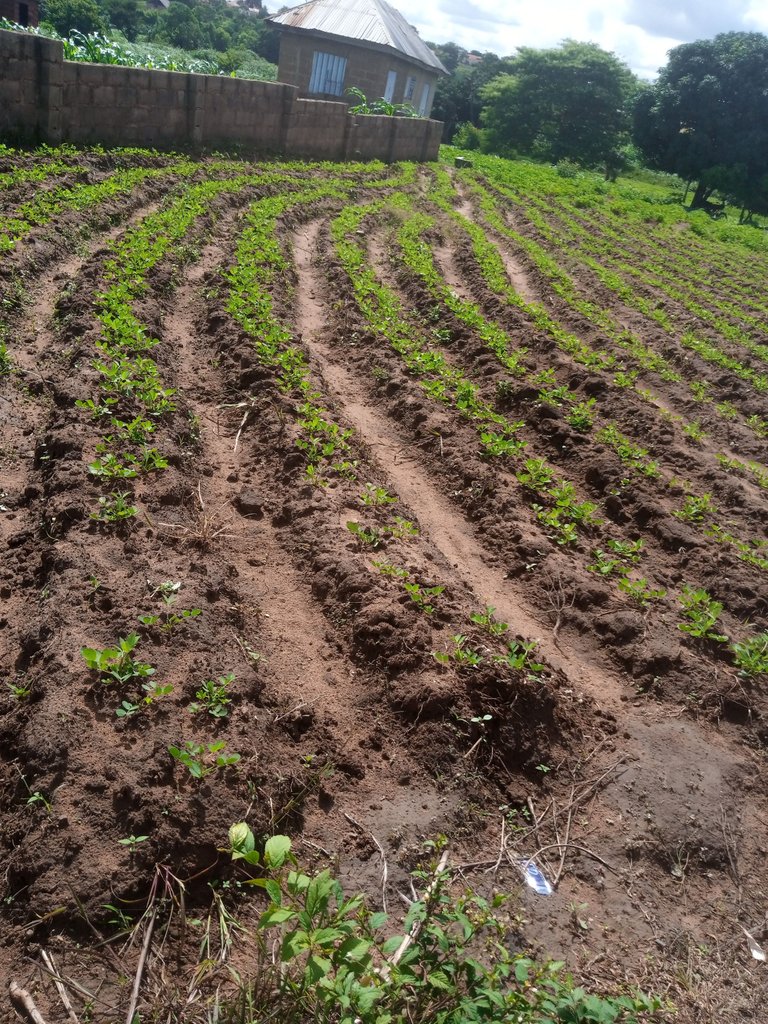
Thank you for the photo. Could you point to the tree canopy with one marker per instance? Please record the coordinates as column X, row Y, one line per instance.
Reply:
column 458, row 96
column 73, row 15
column 706, row 118
column 572, row 101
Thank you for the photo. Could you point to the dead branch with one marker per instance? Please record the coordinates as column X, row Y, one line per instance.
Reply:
column 140, row 967
column 48, row 961
column 25, row 1003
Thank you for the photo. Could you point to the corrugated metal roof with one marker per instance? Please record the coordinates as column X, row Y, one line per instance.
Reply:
column 370, row 21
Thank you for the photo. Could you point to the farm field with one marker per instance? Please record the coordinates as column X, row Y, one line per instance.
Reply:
column 370, row 504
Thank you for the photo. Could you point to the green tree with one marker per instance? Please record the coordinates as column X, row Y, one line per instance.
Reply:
column 458, row 97
column 572, row 102
column 706, row 118
column 73, row 15
column 125, row 15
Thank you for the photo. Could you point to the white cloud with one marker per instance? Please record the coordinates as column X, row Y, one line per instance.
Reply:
column 641, row 32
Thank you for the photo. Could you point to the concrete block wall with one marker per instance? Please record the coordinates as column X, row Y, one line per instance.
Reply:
column 30, row 87
column 318, row 130
column 44, row 98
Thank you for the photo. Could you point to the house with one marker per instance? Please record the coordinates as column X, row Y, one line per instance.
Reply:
column 20, row 12
column 329, row 46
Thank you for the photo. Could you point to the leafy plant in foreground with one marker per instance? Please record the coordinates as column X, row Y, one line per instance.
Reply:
column 116, row 664
column 448, row 962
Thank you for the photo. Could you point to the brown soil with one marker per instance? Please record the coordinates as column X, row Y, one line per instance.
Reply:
column 633, row 762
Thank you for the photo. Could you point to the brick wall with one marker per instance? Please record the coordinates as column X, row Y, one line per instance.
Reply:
column 367, row 68
column 44, row 98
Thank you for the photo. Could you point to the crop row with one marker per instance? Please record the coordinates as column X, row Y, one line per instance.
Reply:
column 444, row 383
column 599, row 254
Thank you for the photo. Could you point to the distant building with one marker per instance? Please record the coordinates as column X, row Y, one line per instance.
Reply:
column 328, row 46
column 20, row 12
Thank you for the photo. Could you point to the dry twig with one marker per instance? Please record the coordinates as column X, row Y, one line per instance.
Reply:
column 25, row 1003
column 140, row 967
column 48, row 961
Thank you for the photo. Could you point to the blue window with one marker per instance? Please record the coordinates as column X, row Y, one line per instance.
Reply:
column 328, row 73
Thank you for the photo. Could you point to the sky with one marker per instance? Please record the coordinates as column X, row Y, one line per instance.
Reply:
column 640, row 32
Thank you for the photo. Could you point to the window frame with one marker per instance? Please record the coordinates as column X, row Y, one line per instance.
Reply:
column 328, row 73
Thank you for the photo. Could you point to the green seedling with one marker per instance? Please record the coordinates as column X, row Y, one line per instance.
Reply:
column 640, row 591
column 702, row 613
column 387, row 569
column 421, row 596
column 127, row 708
column 497, row 444
column 694, row 431
column 177, row 618
column 114, row 508
column 461, row 655
column 553, row 519
column 627, row 550
column 488, row 622
column 38, row 798
column 168, row 621
column 554, row 396
column 115, row 664
column 346, row 468
column 152, row 692
column 132, row 842
column 167, row 591
column 519, row 657
column 372, row 537
column 109, row 467
column 242, row 846
column 536, row 474
column 376, row 497
column 121, row 920
column 152, row 461
column 200, row 759
column 625, row 379
column 604, row 565
column 33, row 796
column 402, row 529
column 582, row 416
column 695, row 508
column 20, row 691
column 751, row 656
column 213, row 697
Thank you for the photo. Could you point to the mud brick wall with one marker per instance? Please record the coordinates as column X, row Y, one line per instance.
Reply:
column 44, row 98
